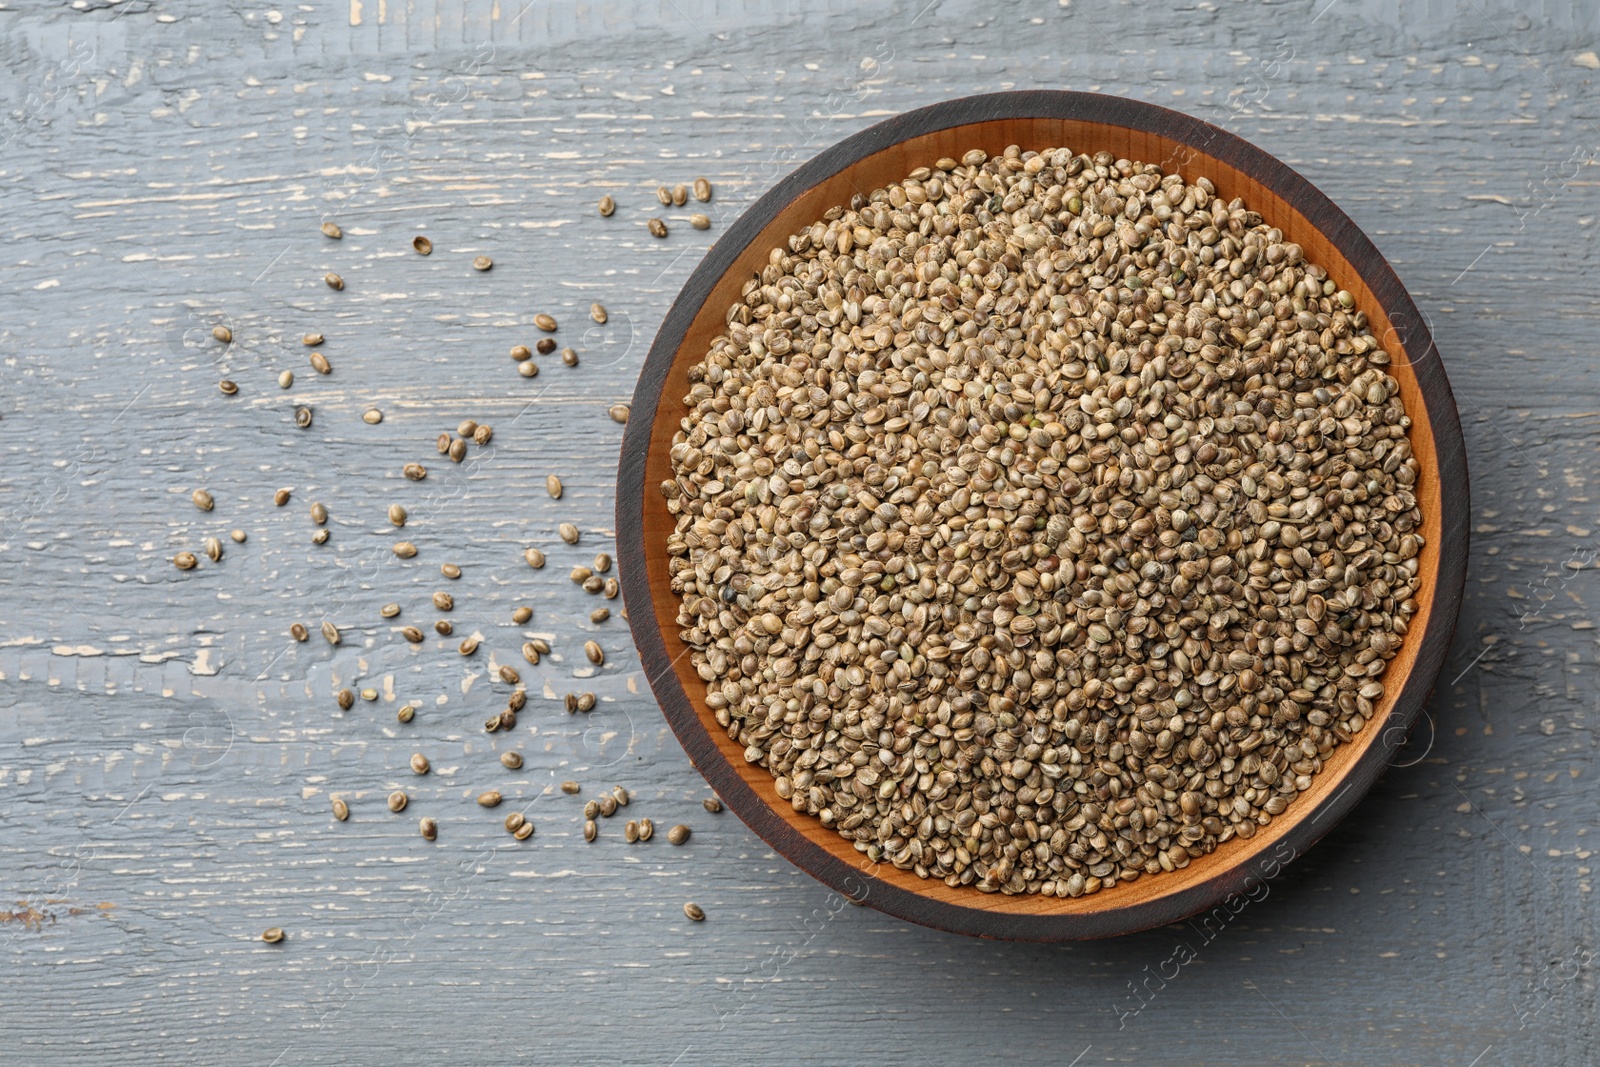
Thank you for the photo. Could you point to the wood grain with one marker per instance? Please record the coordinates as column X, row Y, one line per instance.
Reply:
column 184, row 170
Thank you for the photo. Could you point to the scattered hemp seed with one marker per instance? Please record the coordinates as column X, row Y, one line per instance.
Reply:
column 552, row 485
column 599, row 615
column 213, row 549
column 405, row 549
column 630, row 831
column 607, row 206
column 490, row 799
column 569, row 356
column 320, row 537
column 239, row 536
column 412, row 634
column 711, row 804
column 331, row 632
column 529, row 369
column 331, row 229
column 299, row 632
column 568, row 532
column 466, row 427
column 372, row 416
column 345, row 699
column 272, row 935
column 285, row 379
column 482, row 263
column 664, row 195
column 415, row 471
column 397, row 801
column 656, row 227
column 647, row 829
column 521, row 615
column 397, row 515
column 222, row 334
column 702, row 190
column 319, row 513
column 422, row 245
column 450, row 570
column 545, row 345
column 680, row 196
column 595, row 653
column 429, row 828
column 514, row 822
column 407, row 712
column 545, row 322
column 443, row 444
column 521, row 353
column 389, row 611
column 420, row 764
column 281, row 497
column 312, row 340
column 591, row 809
column 202, row 500
column 586, row 701
column 320, row 364
column 444, row 601
column 302, row 416
column 590, row 830
column 694, row 912
column 619, row 413
column 185, row 561
column 523, row 832
column 597, row 312
column 333, row 280
column 444, row 628
column 482, row 435
column 571, row 788
column 699, row 221
column 602, row 562
column 511, row 761
column 341, row 810
column 228, row 386
column 530, row 653
column 469, row 646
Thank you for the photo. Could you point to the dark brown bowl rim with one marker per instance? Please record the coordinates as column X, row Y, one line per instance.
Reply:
column 1312, row 823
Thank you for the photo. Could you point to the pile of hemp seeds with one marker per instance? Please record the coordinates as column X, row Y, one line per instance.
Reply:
column 1043, row 521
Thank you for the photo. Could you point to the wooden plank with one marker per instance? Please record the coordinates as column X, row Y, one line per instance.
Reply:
column 171, row 752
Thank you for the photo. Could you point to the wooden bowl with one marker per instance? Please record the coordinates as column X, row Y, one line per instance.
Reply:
column 1089, row 123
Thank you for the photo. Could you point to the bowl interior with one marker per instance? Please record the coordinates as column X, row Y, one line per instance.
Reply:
column 893, row 163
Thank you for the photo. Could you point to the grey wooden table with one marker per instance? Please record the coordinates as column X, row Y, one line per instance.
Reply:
column 169, row 753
